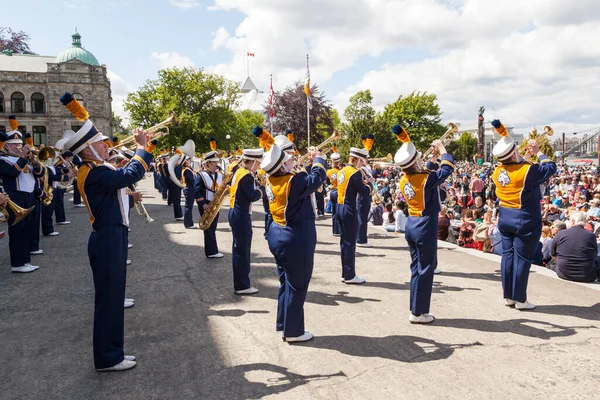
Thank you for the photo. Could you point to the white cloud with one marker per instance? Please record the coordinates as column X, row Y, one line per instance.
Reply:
column 119, row 89
column 185, row 4
column 172, row 60
column 530, row 63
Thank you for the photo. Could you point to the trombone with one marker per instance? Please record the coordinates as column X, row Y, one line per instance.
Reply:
column 336, row 136
column 548, row 132
column 17, row 210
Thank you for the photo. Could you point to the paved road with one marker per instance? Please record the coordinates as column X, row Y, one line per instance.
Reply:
column 195, row 339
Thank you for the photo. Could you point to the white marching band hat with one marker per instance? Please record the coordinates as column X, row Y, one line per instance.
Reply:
column 274, row 159
column 359, row 153
column 14, row 135
column 407, row 154
column 253, row 154
column 504, row 149
column 211, row 156
column 335, row 157
column 284, row 143
column 88, row 134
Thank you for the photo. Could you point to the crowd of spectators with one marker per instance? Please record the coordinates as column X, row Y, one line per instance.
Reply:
column 570, row 209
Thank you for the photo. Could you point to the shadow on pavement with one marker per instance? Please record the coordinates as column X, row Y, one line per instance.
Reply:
column 234, row 312
column 320, row 298
column 409, row 349
column 474, row 275
column 524, row 327
column 438, row 287
column 591, row 313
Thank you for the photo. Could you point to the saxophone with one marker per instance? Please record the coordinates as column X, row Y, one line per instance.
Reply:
column 217, row 202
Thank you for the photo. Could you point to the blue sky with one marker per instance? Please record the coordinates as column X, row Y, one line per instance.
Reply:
column 530, row 63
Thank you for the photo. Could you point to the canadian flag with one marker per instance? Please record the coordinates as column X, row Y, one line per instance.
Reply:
column 250, row 54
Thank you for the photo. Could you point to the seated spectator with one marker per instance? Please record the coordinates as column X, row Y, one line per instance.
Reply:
column 478, row 206
column 575, row 251
column 582, row 205
column 376, row 213
column 389, row 220
column 454, row 207
column 551, row 213
column 443, row 224
column 594, row 211
column 465, row 235
column 547, row 258
column 401, row 216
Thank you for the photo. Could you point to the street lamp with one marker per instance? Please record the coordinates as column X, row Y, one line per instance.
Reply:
column 228, row 137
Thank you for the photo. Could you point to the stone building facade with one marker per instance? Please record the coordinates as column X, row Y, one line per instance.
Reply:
column 31, row 86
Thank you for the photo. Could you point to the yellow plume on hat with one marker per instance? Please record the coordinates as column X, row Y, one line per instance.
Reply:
column 401, row 134
column 12, row 121
column 265, row 139
column 367, row 141
column 499, row 128
column 74, row 106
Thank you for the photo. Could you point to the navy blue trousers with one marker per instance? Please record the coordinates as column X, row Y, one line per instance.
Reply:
column 174, row 198
column 333, row 198
column 421, row 234
column 76, row 194
column 519, row 244
column 363, row 206
column 294, row 251
column 268, row 215
column 188, row 219
column 107, row 250
column 47, row 224
column 241, row 228
column 210, row 236
column 320, row 199
column 18, row 235
column 164, row 189
column 59, row 205
column 349, row 226
column 34, row 234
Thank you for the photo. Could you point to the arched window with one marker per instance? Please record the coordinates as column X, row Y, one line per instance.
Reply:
column 39, row 135
column 1, row 102
column 37, row 103
column 79, row 98
column 17, row 101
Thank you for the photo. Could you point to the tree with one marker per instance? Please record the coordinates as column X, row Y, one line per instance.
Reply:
column 15, row 41
column 419, row 114
column 203, row 102
column 242, row 136
column 464, row 148
column 543, row 142
column 359, row 118
column 290, row 113
column 117, row 127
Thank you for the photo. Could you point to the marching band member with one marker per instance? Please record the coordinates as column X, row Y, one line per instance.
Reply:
column 103, row 188
column 188, row 177
column 174, row 191
column 350, row 184
column 64, row 163
column 163, row 176
column 266, row 140
column 54, row 176
column 364, row 201
column 520, row 217
column 243, row 193
column 293, row 235
column 19, row 180
column 332, row 175
column 206, row 185
column 420, row 188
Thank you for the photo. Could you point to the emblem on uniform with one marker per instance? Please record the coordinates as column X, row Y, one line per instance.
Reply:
column 333, row 177
column 341, row 178
column 503, row 178
column 409, row 191
column 270, row 194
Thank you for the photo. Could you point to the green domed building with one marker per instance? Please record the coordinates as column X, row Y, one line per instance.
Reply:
column 31, row 85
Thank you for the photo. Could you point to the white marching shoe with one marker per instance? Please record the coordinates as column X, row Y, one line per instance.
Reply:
column 25, row 268
column 129, row 303
column 129, row 245
column 509, row 303
column 192, row 227
column 524, row 306
column 357, row 280
column 303, row 338
column 179, row 219
column 37, row 252
column 129, row 358
column 364, row 245
column 128, row 262
column 218, row 255
column 437, row 271
column 421, row 319
column 122, row 366
column 79, row 205
column 53, row 234
column 63, row 223
column 250, row 290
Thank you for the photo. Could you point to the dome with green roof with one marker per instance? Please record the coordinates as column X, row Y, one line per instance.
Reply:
column 77, row 52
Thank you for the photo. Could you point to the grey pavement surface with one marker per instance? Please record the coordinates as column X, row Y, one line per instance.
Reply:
column 195, row 339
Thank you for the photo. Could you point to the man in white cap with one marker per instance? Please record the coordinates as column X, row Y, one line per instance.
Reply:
column 242, row 194
column 19, row 175
column 103, row 189
column 350, row 184
column 206, row 185
column 520, row 216
column 420, row 188
column 293, row 235
column 332, row 175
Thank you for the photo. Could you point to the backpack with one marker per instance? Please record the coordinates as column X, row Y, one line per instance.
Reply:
column 377, row 215
column 481, row 232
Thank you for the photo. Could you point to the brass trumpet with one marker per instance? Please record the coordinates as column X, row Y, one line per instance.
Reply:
column 336, row 136
column 447, row 137
column 548, row 131
column 19, row 212
column 128, row 141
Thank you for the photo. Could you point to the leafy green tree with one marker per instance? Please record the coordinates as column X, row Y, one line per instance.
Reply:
column 117, row 127
column 359, row 118
column 464, row 148
column 203, row 102
column 545, row 145
column 419, row 114
column 290, row 113
column 242, row 136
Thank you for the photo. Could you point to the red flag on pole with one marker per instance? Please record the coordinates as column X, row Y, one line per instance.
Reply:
column 272, row 99
column 250, row 54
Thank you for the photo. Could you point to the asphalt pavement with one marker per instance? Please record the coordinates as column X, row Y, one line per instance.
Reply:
column 195, row 339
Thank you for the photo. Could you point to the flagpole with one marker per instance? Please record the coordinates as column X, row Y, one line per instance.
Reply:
column 271, row 110
column 308, row 109
column 248, row 64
